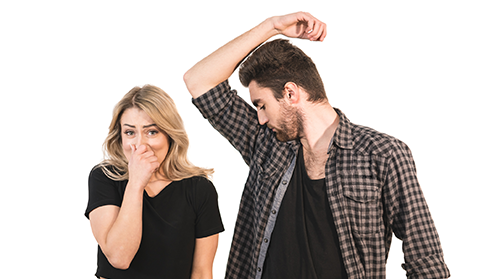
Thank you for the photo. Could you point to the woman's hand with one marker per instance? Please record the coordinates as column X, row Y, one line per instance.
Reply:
column 142, row 164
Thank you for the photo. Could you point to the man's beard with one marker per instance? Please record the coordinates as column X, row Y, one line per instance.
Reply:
column 290, row 126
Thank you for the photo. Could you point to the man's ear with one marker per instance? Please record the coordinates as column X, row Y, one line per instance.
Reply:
column 291, row 93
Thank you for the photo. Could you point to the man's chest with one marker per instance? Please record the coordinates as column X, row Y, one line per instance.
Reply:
column 315, row 164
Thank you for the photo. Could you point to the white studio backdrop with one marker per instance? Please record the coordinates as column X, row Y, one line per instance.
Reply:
column 426, row 72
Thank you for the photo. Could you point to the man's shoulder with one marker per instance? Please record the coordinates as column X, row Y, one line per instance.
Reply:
column 373, row 142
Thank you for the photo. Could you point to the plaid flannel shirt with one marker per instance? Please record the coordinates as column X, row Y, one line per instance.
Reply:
column 371, row 186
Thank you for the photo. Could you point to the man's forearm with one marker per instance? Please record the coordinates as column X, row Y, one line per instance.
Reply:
column 221, row 64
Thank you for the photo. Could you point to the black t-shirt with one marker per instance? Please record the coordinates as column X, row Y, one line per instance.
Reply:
column 304, row 243
column 172, row 220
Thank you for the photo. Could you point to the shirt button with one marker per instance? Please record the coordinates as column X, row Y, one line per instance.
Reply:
column 273, row 212
column 258, row 269
column 266, row 240
column 285, row 182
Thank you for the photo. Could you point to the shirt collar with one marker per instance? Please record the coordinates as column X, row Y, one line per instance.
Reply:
column 342, row 137
column 343, row 134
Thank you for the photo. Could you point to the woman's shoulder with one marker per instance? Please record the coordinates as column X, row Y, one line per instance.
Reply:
column 200, row 193
column 97, row 172
column 102, row 169
column 196, row 181
column 103, row 173
column 198, row 185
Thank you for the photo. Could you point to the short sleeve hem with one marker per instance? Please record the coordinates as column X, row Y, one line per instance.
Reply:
column 91, row 207
column 211, row 232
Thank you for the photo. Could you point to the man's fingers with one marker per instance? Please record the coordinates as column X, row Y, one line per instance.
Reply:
column 310, row 27
column 316, row 30
column 319, row 32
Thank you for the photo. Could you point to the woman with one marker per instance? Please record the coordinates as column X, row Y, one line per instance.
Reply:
column 153, row 213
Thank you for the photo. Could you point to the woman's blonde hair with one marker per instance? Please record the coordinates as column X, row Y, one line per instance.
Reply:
column 162, row 110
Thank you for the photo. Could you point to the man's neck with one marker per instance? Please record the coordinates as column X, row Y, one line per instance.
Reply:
column 320, row 123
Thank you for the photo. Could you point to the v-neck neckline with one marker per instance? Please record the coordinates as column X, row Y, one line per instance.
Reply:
column 159, row 193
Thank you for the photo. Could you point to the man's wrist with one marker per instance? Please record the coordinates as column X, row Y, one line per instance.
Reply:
column 267, row 29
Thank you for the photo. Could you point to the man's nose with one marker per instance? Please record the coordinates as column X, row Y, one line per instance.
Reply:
column 262, row 118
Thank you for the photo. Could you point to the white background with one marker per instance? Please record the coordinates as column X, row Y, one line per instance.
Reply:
column 426, row 72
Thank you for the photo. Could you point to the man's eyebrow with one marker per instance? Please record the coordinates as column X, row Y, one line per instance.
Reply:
column 256, row 102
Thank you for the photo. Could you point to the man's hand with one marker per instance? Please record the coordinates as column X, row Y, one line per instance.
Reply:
column 300, row 25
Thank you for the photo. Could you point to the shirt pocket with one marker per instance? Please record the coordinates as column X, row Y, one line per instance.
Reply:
column 263, row 178
column 363, row 208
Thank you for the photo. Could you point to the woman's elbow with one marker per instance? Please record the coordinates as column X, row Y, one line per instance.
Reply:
column 119, row 262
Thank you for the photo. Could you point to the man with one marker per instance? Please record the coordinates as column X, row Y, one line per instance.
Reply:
column 323, row 195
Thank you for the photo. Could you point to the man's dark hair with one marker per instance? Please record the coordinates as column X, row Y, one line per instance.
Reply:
column 277, row 62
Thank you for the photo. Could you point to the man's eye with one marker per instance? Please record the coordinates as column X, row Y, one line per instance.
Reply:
column 262, row 107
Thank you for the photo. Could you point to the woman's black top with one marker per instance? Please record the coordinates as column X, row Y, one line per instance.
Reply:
column 172, row 220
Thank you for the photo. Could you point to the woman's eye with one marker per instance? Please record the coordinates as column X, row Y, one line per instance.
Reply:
column 153, row 132
column 129, row 133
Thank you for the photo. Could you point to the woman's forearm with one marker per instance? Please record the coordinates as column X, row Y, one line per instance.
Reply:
column 124, row 236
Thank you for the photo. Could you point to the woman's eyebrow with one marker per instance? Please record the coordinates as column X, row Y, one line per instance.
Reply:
column 145, row 126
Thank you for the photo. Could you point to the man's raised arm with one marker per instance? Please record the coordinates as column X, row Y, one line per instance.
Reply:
column 220, row 65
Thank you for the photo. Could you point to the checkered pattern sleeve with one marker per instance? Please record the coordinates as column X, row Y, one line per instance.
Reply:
column 411, row 219
column 234, row 118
